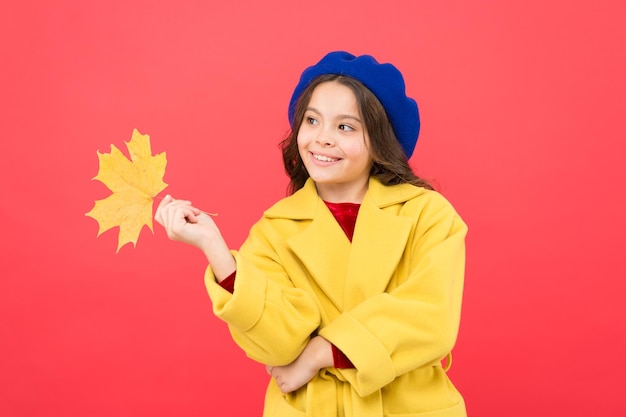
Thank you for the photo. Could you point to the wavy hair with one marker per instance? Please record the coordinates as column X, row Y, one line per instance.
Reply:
column 390, row 164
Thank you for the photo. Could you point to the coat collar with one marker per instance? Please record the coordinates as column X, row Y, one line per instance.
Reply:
column 349, row 273
column 305, row 203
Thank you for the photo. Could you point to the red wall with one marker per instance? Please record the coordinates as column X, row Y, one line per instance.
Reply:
column 523, row 129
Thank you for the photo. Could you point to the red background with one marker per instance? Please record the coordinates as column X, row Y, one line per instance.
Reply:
column 523, row 111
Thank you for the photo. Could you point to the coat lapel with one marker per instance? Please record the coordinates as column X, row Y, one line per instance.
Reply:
column 348, row 273
column 323, row 248
column 380, row 239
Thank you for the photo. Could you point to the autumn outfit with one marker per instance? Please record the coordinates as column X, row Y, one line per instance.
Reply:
column 389, row 300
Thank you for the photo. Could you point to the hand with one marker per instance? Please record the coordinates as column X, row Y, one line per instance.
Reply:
column 316, row 355
column 185, row 223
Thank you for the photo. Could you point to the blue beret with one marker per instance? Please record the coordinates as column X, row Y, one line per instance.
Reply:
column 384, row 80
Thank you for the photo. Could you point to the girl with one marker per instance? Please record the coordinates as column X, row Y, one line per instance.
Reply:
column 349, row 289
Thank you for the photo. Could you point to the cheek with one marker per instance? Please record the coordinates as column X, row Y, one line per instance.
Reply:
column 356, row 148
column 301, row 141
column 304, row 137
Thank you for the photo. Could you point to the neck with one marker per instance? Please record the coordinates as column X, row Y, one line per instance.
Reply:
column 336, row 193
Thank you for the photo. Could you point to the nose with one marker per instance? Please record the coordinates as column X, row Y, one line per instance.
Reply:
column 325, row 139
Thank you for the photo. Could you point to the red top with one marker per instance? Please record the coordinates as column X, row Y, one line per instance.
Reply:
column 345, row 214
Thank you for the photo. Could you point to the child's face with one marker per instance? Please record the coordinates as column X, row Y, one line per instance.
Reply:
column 334, row 144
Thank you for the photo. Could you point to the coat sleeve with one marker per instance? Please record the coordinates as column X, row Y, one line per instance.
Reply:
column 267, row 316
column 416, row 323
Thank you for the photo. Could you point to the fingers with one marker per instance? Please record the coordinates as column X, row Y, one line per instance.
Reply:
column 167, row 199
column 173, row 214
column 168, row 204
column 280, row 378
column 158, row 215
column 285, row 388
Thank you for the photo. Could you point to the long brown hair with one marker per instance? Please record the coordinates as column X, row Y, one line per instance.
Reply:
column 390, row 164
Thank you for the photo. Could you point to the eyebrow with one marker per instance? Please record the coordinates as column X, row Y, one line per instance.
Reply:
column 341, row 116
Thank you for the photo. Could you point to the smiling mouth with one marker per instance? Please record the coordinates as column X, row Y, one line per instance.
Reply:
column 323, row 158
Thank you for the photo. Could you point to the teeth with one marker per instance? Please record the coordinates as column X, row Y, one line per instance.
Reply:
column 323, row 158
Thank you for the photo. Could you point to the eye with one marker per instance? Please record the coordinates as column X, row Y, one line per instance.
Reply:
column 346, row 128
column 311, row 120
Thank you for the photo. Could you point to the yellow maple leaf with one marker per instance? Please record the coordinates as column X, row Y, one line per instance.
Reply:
column 134, row 183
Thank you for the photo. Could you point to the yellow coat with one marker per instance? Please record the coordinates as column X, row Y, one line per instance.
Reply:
column 390, row 300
